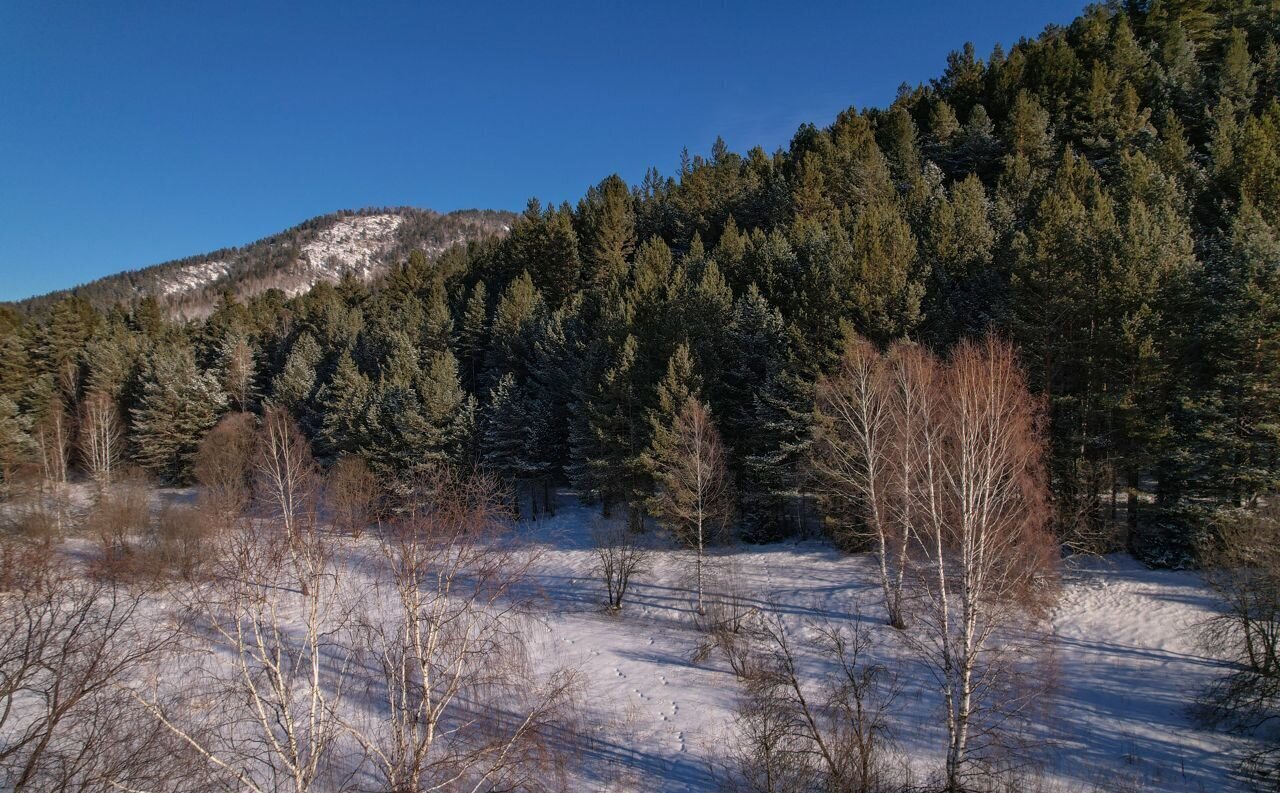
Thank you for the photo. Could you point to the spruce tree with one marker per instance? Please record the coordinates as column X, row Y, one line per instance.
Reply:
column 15, row 443
column 607, row 218
column 473, row 336
column 505, row 435
column 178, row 405
column 344, row 402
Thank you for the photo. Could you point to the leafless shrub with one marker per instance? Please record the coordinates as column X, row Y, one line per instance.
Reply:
column 68, row 643
column 122, row 511
column 1243, row 570
column 31, row 517
column 182, row 541
column 224, row 468
column 463, row 711
column 769, row 753
column 351, row 491
column 620, row 555
column 730, row 623
column 833, row 736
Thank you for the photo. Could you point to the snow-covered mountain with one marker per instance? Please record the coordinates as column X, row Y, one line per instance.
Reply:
column 364, row 244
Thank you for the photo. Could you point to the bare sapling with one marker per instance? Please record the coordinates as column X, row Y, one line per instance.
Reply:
column 101, row 438
column 621, row 554
column 730, row 623
column 694, row 495
column 52, row 438
column 832, row 734
column 285, row 472
column 462, row 709
column 286, row 483
column 1242, row 567
column 239, row 370
column 277, row 623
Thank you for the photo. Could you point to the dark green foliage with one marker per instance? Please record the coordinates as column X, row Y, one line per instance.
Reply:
column 1106, row 196
column 178, row 405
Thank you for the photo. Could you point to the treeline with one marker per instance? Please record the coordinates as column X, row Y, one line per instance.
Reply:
column 1107, row 197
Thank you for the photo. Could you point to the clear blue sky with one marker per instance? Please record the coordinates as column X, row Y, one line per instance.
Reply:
column 133, row 133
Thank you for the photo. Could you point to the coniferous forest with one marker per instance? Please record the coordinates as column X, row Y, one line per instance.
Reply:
column 1105, row 196
column 873, row 452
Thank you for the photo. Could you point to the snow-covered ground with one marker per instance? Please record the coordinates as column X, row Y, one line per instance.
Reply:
column 1124, row 639
column 352, row 244
column 1125, row 652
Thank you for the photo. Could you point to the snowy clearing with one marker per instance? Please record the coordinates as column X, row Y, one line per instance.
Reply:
column 1125, row 651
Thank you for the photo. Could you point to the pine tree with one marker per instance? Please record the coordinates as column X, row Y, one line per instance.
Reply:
column 505, row 434
column 448, row 410
column 676, row 388
column 179, row 404
column 553, row 372
column 886, row 287
column 510, row 335
column 296, row 383
column 473, row 336
column 607, row 217
column 344, row 402
column 15, row 443
column 1237, row 430
column 613, row 416
column 437, row 329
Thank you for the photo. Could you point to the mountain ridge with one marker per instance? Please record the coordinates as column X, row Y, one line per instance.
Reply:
column 363, row 242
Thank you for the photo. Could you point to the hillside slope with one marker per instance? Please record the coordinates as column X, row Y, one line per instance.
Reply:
column 363, row 243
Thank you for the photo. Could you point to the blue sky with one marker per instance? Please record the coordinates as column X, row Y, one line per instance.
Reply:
column 133, row 133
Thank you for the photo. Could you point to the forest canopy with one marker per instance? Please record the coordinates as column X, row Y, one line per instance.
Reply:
column 1106, row 197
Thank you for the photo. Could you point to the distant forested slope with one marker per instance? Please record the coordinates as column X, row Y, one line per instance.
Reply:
column 291, row 260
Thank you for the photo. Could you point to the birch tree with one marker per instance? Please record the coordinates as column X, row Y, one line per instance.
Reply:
column 853, row 456
column 272, row 629
column 461, row 709
column 694, row 497
column 101, row 438
column 986, row 561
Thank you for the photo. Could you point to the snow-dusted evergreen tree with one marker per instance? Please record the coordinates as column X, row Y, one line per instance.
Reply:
column 675, row 389
column 296, row 383
column 15, row 441
column 510, row 334
column 178, row 405
column 449, row 411
column 505, row 434
column 473, row 335
column 1237, row 440
column 344, row 401
column 768, row 428
column 553, row 371
column 612, row 435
